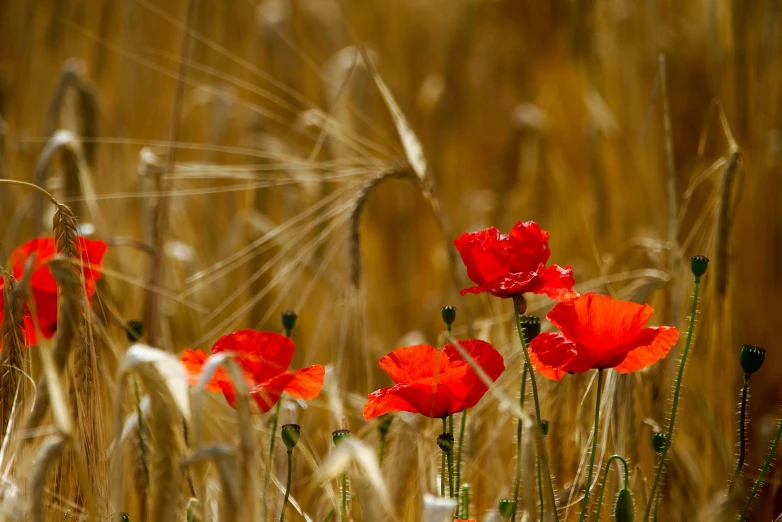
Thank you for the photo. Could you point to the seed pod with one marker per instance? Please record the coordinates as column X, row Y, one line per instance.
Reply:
column 530, row 327
column 289, row 320
column 290, row 435
column 699, row 265
column 339, row 435
column 507, row 507
column 751, row 358
column 445, row 441
column 624, row 509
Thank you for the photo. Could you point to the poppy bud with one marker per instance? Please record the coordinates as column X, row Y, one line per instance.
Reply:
column 751, row 358
column 340, row 435
column 290, row 435
column 507, row 507
column 624, row 509
column 659, row 440
column 135, row 331
column 445, row 441
column 385, row 424
column 544, row 427
column 699, row 264
column 289, row 320
column 449, row 314
column 530, row 327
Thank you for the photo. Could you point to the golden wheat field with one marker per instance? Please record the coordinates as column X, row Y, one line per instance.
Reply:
column 234, row 159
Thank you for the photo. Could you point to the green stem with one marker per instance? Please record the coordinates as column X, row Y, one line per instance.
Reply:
column 329, row 516
column 742, row 428
column 270, row 462
column 605, row 477
column 459, row 456
column 550, row 484
column 540, row 487
column 442, row 463
column 288, row 485
column 763, row 472
column 517, row 482
column 381, row 448
column 585, row 502
column 465, row 502
column 653, row 498
column 450, row 474
column 344, row 509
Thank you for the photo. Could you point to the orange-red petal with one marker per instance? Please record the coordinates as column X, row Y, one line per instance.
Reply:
column 425, row 397
column 411, row 363
column 460, row 378
column 194, row 361
column 267, row 393
column 307, row 382
column 600, row 322
column 554, row 281
column 262, row 355
column 651, row 345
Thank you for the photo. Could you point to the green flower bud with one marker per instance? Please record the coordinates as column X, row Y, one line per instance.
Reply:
column 624, row 509
column 659, row 440
column 135, row 331
column 445, row 441
column 340, row 435
column 699, row 265
column 530, row 327
column 544, row 427
column 385, row 424
column 449, row 314
column 507, row 507
column 751, row 358
column 289, row 320
column 290, row 435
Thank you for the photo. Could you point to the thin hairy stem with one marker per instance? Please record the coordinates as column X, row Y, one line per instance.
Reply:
column 442, row 463
column 763, row 472
column 653, row 498
column 287, row 486
column 381, row 449
column 270, row 461
column 585, row 502
column 742, row 436
column 605, row 478
column 344, row 509
column 459, row 457
column 517, row 481
column 449, row 455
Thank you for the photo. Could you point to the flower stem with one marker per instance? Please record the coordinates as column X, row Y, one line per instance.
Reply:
column 653, row 498
column 270, row 462
column 344, row 510
column 763, row 472
column 381, row 448
column 450, row 474
column 605, row 477
column 742, row 428
column 540, row 487
column 442, row 463
column 288, row 485
column 459, row 456
column 465, row 503
column 585, row 502
column 522, row 398
column 527, row 362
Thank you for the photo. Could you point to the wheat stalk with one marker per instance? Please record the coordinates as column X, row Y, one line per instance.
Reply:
column 13, row 359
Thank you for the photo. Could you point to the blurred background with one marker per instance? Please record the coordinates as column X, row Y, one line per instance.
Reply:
column 240, row 159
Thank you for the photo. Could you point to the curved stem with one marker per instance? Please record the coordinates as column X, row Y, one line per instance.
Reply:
column 517, row 482
column 763, row 472
column 605, row 477
column 527, row 362
column 287, row 486
column 653, row 498
column 742, row 429
column 30, row 185
column 459, row 457
column 270, row 462
column 585, row 502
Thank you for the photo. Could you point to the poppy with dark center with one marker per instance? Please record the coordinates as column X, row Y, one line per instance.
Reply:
column 513, row 264
column 599, row 331
column 433, row 382
column 264, row 358
column 43, row 284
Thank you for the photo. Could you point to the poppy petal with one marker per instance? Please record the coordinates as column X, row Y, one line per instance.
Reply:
column 483, row 255
column 546, row 371
column 262, row 355
column 554, row 281
column 307, row 382
column 266, row 394
column 459, row 377
column 600, row 322
column 528, row 246
column 425, row 397
column 506, row 286
column 651, row 345
column 194, row 361
column 412, row 363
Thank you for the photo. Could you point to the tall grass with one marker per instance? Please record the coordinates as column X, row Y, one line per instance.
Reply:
column 232, row 153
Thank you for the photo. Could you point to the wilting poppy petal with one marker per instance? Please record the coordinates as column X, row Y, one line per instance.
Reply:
column 463, row 382
column 307, row 382
column 651, row 345
column 425, row 397
column 194, row 361
column 267, row 393
column 411, row 363
column 600, row 322
column 262, row 355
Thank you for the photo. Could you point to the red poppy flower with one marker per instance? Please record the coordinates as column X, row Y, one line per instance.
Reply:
column 507, row 265
column 599, row 331
column 433, row 382
column 43, row 285
column 264, row 358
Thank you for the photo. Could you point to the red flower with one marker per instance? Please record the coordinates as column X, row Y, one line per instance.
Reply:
column 433, row 382
column 599, row 331
column 514, row 264
column 264, row 358
column 44, row 287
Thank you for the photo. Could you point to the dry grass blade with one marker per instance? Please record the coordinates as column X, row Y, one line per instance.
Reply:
column 50, row 451
column 14, row 362
column 225, row 459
